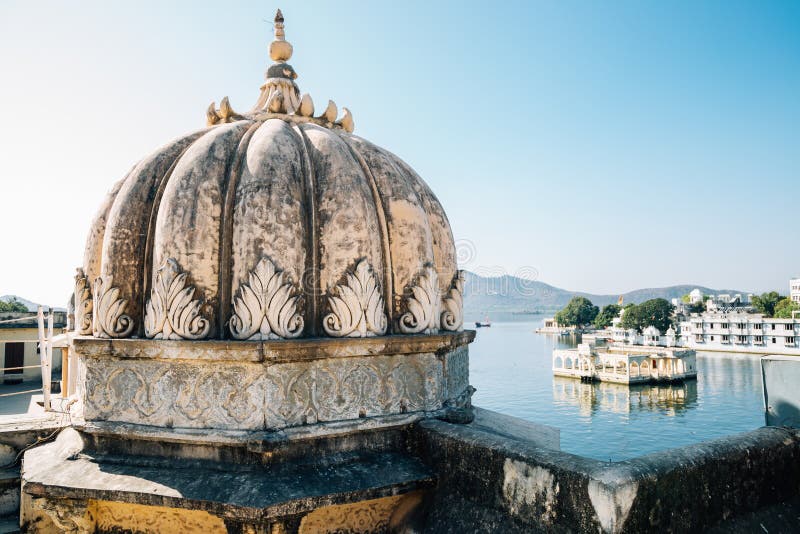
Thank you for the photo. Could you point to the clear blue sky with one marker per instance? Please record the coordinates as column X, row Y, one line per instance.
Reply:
column 605, row 146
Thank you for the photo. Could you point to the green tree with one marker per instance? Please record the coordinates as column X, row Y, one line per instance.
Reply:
column 12, row 305
column 578, row 312
column 785, row 307
column 631, row 319
column 766, row 302
column 653, row 312
column 697, row 307
column 607, row 316
column 658, row 313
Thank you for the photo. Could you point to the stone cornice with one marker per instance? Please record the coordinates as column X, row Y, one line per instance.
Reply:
column 270, row 351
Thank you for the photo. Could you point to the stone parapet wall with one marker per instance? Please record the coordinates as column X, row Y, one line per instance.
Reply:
column 509, row 485
column 496, row 474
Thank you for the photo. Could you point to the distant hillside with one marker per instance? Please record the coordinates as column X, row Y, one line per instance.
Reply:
column 32, row 306
column 512, row 294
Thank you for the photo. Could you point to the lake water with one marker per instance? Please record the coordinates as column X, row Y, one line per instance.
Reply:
column 510, row 366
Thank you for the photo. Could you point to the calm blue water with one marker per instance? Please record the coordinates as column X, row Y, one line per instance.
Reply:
column 510, row 366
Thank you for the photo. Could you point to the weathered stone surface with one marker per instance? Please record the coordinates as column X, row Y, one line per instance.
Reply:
column 112, row 516
column 374, row 515
column 175, row 394
column 270, row 350
column 334, row 390
column 492, row 475
column 223, row 385
column 270, row 207
column 125, row 243
column 313, row 200
column 67, row 472
column 514, row 428
column 507, row 484
column 456, row 371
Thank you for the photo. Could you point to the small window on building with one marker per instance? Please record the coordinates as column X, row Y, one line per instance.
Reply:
column 773, row 340
column 790, row 340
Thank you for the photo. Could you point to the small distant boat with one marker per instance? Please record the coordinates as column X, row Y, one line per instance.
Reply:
column 486, row 323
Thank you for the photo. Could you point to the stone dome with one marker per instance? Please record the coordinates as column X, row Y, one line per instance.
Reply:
column 269, row 224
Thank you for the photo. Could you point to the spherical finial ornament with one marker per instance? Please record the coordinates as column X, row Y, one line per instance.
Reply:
column 280, row 49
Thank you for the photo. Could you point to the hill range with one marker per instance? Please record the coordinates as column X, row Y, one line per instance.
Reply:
column 517, row 295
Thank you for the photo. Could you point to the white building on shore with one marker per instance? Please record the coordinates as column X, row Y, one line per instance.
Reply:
column 794, row 290
column 741, row 332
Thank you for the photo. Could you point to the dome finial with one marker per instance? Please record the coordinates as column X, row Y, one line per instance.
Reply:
column 280, row 49
column 280, row 95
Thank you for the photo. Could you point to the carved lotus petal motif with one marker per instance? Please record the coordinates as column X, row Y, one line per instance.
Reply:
column 265, row 307
column 171, row 312
column 423, row 305
column 109, row 310
column 83, row 304
column 357, row 308
column 453, row 305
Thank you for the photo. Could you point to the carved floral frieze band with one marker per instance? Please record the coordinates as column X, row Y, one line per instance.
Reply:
column 357, row 308
column 83, row 304
column 109, row 319
column 172, row 312
column 265, row 307
column 423, row 305
column 453, row 305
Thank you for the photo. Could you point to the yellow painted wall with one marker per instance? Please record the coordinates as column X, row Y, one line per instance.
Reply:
column 29, row 336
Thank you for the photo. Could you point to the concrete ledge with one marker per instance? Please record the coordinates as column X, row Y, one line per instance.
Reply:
column 514, row 428
column 517, row 484
column 20, row 434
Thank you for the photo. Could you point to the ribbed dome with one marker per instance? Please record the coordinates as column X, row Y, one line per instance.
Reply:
column 272, row 224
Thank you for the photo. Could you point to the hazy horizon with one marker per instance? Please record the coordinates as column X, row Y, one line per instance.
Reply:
column 599, row 148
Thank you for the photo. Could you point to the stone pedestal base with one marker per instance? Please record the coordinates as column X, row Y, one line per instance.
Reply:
column 247, row 437
column 380, row 474
column 356, row 481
